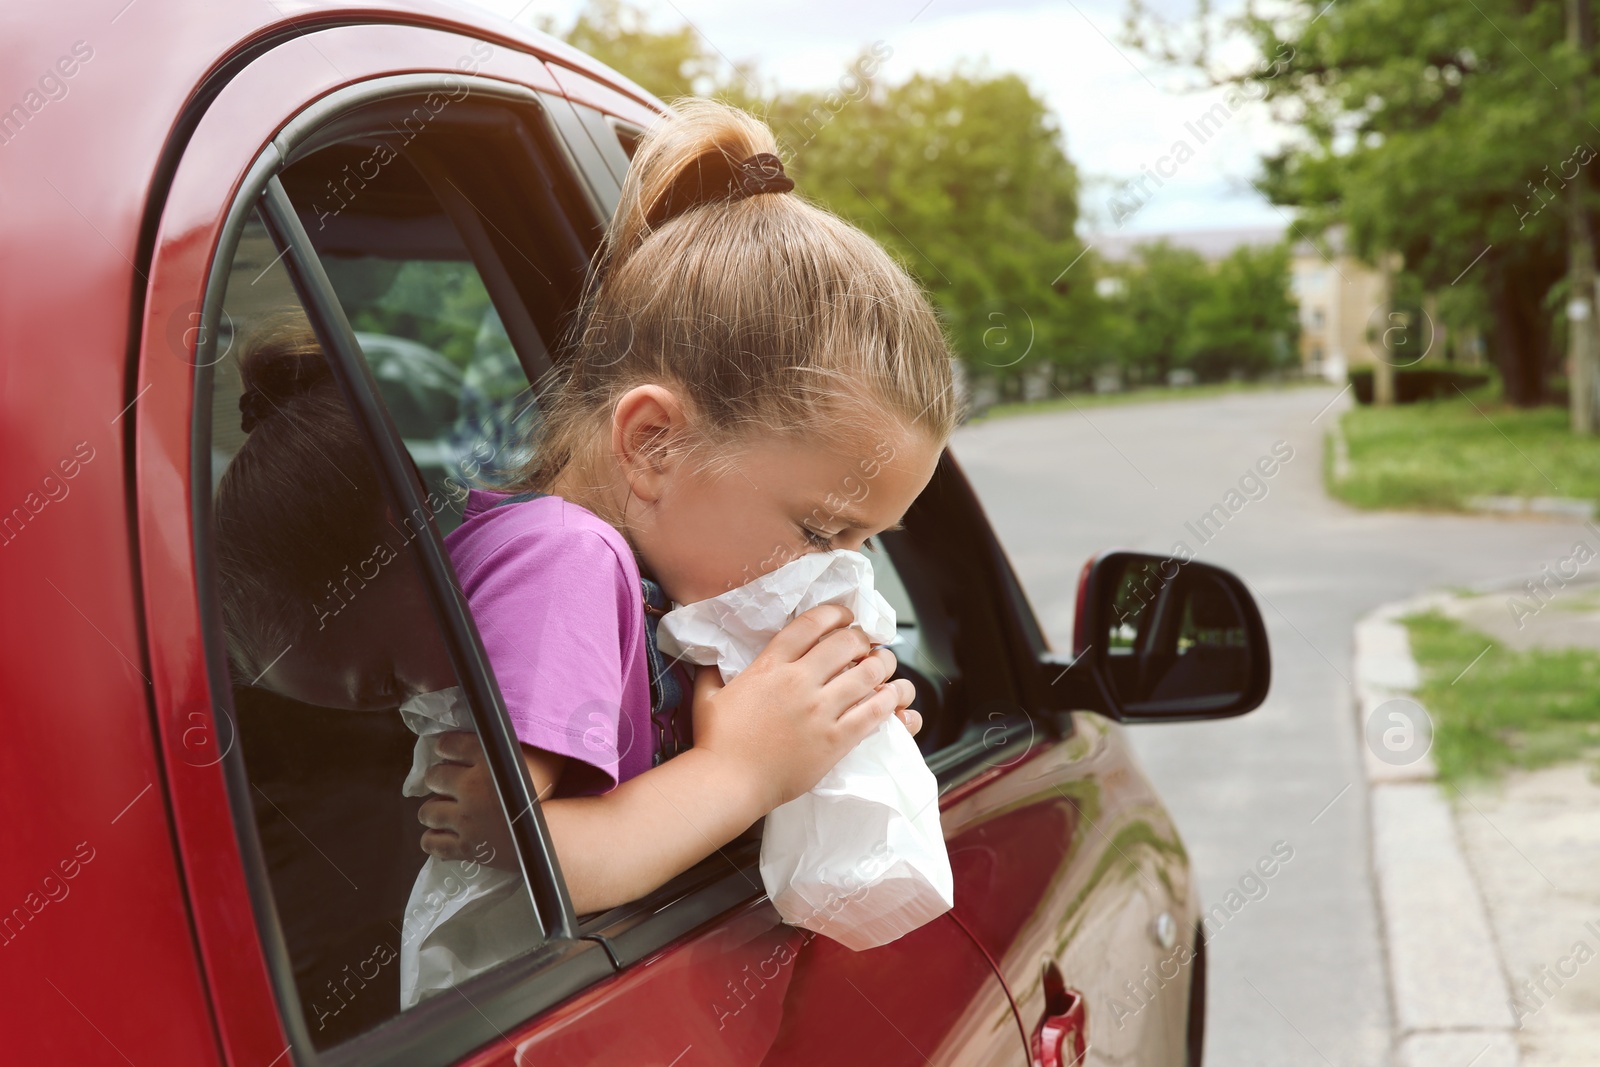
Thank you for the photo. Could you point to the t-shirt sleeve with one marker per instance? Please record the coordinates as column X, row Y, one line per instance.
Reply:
column 553, row 608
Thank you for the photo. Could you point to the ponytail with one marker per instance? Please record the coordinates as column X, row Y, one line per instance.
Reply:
column 668, row 173
column 764, row 312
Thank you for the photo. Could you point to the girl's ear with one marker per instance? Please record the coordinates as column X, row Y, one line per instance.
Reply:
column 648, row 428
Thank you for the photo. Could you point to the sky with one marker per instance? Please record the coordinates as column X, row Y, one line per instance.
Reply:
column 1120, row 112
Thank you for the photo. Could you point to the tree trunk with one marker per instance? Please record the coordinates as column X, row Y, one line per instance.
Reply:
column 1521, row 335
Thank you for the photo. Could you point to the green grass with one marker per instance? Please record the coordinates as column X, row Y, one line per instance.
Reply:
column 1437, row 455
column 1509, row 709
column 1151, row 394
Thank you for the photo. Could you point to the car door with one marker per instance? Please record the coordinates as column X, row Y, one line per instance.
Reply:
column 294, row 866
column 246, row 236
column 1065, row 862
column 1069, row 873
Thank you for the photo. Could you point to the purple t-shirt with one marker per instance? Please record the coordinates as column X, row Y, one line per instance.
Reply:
column 555, row 592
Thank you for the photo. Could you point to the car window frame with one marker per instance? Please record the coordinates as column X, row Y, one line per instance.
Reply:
column 439, row 1030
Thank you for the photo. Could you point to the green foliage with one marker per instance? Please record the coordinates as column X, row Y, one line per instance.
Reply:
column 1162, row 287
column 1246, row 323
column 438, row 303
column 1437, row 130
column 1234, row 319
column 1509, row 709
column 668, row 63
column 965, row 179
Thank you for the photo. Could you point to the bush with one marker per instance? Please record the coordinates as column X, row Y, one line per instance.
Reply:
column 1413, row 385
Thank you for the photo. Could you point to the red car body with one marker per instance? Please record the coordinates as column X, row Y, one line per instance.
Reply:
column 130, row 929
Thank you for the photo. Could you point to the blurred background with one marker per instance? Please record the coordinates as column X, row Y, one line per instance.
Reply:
column 1172, row 239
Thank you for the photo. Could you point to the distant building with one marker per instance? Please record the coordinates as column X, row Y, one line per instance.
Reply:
column 1338, row 296
column 1337, row 293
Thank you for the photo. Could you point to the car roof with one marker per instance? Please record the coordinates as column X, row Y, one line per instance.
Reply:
column 85, row 159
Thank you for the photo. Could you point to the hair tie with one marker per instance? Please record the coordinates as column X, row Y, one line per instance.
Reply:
column 254, row 405
column 713, row 176
column 763, row 173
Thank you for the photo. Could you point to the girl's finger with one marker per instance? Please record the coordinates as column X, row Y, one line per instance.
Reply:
column 445, row 844
column 859, row 682
column 438, row 813
column 444, row 779
column 837, row 651
column 868, row 715
column 458, row 746
column 912, row 719
column 805, row 630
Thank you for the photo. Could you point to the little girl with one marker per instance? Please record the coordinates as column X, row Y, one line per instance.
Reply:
column 748, row 378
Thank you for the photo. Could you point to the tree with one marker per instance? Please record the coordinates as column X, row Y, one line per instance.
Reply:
column 1434, row 129
column 964, row 178
column 1246, row 324
column 668, row 63
column 1175, row 311
column 1161, row 287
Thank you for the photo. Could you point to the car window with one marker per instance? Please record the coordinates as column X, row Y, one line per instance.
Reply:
column 331, row 645
column 886, row 579
column 454, row 282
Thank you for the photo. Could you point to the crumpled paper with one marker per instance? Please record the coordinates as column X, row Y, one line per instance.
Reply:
column 731, row 630
column 861, row 857
column 463, row 917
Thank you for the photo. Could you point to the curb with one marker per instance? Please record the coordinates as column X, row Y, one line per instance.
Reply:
column 1448, row 991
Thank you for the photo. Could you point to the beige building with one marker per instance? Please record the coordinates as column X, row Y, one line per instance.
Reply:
column 1341, row 307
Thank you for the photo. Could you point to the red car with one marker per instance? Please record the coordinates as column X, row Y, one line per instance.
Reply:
column 203, row 871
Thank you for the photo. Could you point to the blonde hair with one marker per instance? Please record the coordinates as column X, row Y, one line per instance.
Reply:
column 769, row 314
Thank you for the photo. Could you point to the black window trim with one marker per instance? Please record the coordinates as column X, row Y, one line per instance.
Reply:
column 441, row 1029
column 625, row 131
column 358, row 119
column 601, row 129
column 535, row 853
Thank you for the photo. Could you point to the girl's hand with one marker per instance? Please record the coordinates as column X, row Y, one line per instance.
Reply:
column 464, row 818
column 812, row 694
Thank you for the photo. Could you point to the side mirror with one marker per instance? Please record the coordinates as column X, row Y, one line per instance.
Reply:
column 1155, row 639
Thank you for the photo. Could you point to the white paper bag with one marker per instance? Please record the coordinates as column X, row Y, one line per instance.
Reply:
column 463, row 917
column 861, row 857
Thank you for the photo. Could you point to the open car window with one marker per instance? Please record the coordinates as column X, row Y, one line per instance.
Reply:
column 330, row 642
column 386, row 287
column 454, row 259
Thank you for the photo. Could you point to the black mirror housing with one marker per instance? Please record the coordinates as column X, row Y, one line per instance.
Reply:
column 1160, row 640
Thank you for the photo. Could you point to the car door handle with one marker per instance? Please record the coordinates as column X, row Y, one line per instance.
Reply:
column 1062, row 1037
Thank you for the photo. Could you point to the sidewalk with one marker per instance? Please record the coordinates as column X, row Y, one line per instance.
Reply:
column 1490, row 896
column 1533, row 843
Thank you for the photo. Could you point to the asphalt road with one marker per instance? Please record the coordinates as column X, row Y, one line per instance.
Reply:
column 1297, row 975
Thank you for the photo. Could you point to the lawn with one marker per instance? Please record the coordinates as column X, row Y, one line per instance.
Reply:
column 1507, row 709
column 1436, row 455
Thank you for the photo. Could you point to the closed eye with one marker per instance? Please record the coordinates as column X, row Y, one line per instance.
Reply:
column 822, row 541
